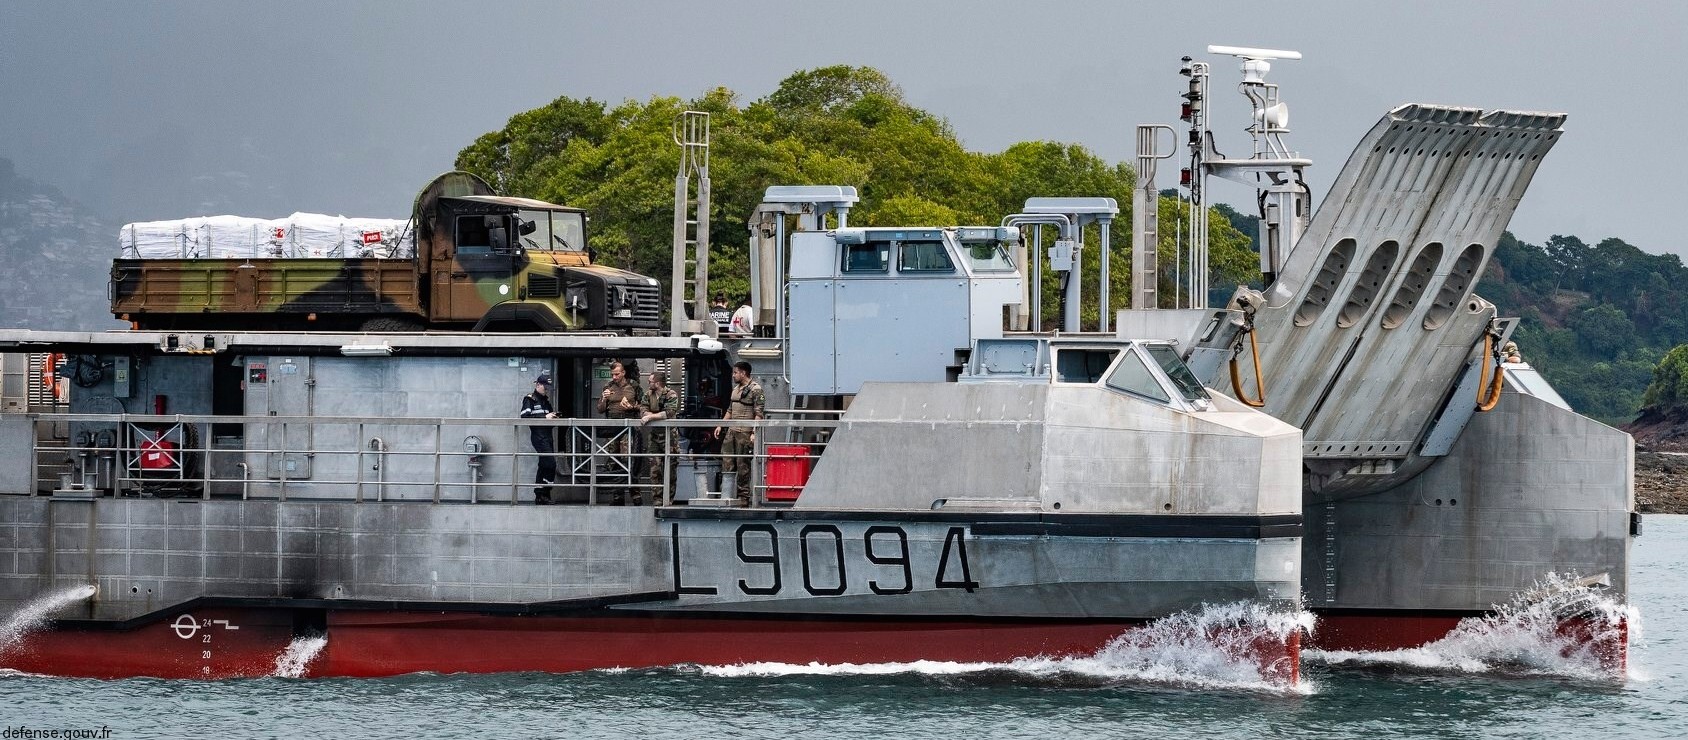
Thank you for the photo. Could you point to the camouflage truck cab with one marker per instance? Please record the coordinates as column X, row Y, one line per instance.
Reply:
column 483, row 262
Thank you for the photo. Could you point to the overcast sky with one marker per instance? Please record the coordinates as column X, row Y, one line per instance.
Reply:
column 160, row 110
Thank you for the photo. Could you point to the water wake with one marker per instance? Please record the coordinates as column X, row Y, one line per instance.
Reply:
column 1560, row 628
column 296, row 659
column 1231, row 646
column 35, row 614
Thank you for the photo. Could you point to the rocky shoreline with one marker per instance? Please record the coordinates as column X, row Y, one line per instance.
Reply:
column 1661, row 482
column 1661, row 463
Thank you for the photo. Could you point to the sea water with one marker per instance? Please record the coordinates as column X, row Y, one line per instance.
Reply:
column 1499, row 678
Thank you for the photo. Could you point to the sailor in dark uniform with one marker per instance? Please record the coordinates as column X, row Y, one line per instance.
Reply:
column 537, row 405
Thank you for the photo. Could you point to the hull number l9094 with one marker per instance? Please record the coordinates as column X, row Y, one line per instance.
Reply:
column 824, row 566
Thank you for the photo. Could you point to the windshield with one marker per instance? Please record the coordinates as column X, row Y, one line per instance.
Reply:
column 1175, row 369
column 552, row 230
column 534, row 228
column 986, row 256
column 924, row 256
column 1132, row 376
column 568, row 231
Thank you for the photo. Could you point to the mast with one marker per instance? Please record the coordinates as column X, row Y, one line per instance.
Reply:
column 691, row 228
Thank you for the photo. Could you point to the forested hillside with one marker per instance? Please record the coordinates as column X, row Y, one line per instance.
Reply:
column 1596, row 319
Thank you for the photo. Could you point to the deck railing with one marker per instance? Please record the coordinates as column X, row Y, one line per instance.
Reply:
column 437, row 460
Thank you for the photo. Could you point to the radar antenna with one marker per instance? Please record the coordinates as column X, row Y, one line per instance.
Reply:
column 1272, row 169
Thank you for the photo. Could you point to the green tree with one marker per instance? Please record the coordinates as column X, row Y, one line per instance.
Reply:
column 1603, row 330
column 1667, row 394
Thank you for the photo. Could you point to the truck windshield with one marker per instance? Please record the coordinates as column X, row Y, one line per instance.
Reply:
column 535, row 229
column 552, row 230
column 568, row 231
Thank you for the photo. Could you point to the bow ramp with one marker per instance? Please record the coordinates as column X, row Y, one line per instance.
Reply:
column 1373, row 321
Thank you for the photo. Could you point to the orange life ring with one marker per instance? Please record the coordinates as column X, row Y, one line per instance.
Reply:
column 49, row 374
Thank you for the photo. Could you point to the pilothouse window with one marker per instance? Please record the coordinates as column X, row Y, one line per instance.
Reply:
column 872, row 257
column 924, row 257
column 1082, row 365
column 987, row 257
column 1133, row 377
column 1175, row 369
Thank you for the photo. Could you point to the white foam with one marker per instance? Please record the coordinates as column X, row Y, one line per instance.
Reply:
column 34, row 614
column 1209, row 648
column 296, row 659
column 1522, row 637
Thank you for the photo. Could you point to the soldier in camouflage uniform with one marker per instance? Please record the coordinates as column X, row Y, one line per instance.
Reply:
column 621, row 400
column 747, row 402
column 661, row 402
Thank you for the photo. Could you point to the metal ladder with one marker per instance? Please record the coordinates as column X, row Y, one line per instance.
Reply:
column 52, row 440
column 1145, row 214
column 691, row 228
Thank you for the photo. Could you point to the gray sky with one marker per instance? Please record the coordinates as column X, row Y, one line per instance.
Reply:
column 161, row 110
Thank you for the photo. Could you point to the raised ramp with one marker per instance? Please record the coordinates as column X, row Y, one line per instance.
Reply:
column 1373, row 319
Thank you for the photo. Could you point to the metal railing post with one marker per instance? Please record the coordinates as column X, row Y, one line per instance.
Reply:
column 664, row 491
column 439, row 433
column 357, row 490
column 281, row 464
column 35, row 455
column 757, row 487
column 204, row 464
column 591, row 466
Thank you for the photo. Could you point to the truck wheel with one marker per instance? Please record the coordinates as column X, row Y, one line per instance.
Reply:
column 388, row 324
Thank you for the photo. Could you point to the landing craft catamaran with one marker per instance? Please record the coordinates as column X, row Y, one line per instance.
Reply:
column 934, row 478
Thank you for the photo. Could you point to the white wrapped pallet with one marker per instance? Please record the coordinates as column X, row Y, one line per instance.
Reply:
column 381, row 238
column 275, row 238
column 152, row 240
column 231, row 237
column 299, row 236
column 314, row 235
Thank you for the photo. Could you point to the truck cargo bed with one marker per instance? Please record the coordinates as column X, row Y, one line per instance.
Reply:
column 156, row 291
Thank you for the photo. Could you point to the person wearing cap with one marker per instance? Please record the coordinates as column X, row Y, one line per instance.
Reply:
column 537, row 405
column 1510, row 352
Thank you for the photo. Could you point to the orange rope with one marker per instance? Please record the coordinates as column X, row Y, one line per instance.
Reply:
column 1259, row 379
column 1488, row 392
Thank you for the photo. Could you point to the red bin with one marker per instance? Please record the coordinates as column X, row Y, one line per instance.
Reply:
column 788, row 471
column 158, row 453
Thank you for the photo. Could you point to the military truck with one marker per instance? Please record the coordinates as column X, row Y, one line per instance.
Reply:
column 482, row 262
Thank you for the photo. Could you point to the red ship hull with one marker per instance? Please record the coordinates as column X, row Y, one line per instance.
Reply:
column 247, row 643
column 1608, row 644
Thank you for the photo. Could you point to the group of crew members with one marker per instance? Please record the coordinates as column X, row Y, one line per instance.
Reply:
column 625, row 400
